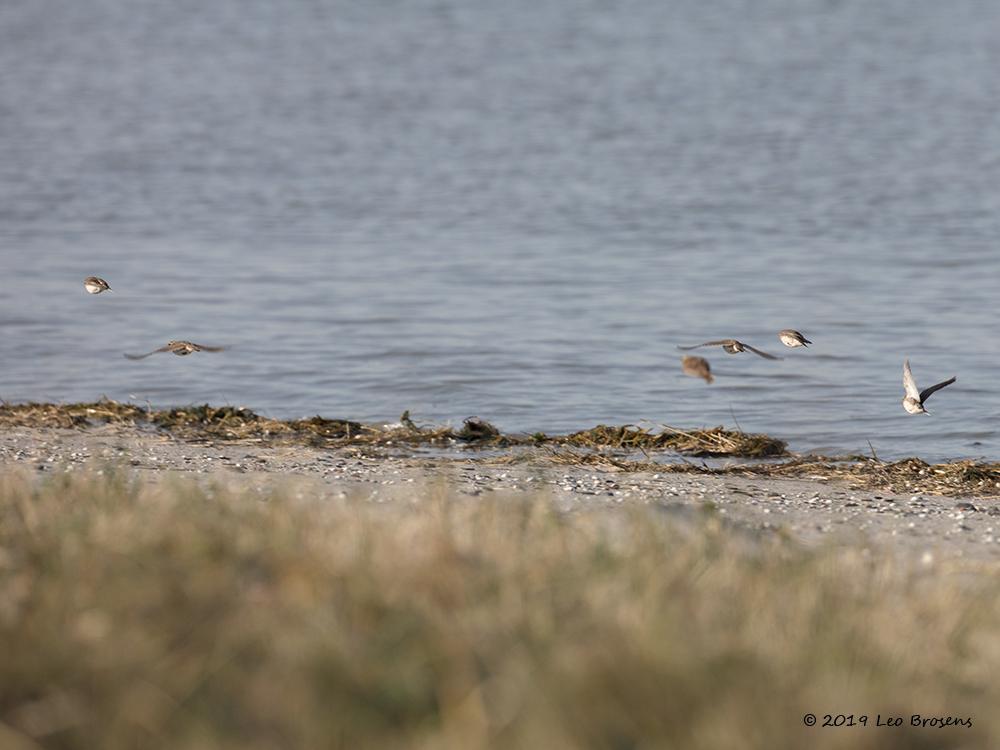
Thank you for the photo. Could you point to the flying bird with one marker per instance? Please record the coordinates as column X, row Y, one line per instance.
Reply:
column 96, row 285
column 732, row 346
column 180, row 348
column 792, row 338
column 913, row 401
column 697, row 367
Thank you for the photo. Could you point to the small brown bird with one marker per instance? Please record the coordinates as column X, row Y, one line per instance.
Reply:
column 180, row 348
column 96, row 285
column 697, row 367
column 732, row 346
column 792, row 338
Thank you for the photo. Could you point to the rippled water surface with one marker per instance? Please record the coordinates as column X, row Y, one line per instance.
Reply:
column 515, row 210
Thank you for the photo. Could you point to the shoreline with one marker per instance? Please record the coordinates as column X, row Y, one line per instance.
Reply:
column 241, row 423
column 630, row 448
column 796, row 499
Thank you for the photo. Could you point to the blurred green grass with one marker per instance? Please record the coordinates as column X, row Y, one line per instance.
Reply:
column 175, row 615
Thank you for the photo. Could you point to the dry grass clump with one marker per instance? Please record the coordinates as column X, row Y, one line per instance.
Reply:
column 239, row 423
column 702, row 443
column 912, row 474
column 69, row 415
column 957, row 478
column 174, row 616
column 192, row 422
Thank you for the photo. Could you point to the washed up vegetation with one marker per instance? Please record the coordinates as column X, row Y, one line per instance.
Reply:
column 699, row 443
column 240, row 423
column 910, row 475
column 617, row 448
column 905, row 476
column 219, row 422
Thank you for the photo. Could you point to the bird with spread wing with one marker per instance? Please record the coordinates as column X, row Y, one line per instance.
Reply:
column 732, row 346
column 914, row 400
column 180, row 348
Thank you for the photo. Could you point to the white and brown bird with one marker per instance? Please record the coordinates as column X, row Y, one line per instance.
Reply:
column 96, row 285
column 180, row 348
column 792, row 338
column 914, row 400
column 732, row 346
column 697, row 367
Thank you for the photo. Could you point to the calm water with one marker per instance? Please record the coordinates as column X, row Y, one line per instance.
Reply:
column 514, row 210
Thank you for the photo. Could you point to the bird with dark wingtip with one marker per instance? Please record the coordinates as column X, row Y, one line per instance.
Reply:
column 914, row 400
column 792, row 338
column 732, row 346
column 180, row 348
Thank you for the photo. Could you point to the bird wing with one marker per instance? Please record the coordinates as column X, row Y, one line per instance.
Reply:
column 926, row 392
column 210, row 348
column 720, row 342
column 759, row 353
column 147, row 354
column 909, row 384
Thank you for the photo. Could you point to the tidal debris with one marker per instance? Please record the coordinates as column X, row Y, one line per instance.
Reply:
column 240, row 423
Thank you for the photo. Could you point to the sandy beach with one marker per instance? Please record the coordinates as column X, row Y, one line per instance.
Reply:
column 813, row 509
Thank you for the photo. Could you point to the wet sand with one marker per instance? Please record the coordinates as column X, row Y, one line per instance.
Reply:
column 811, row 510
